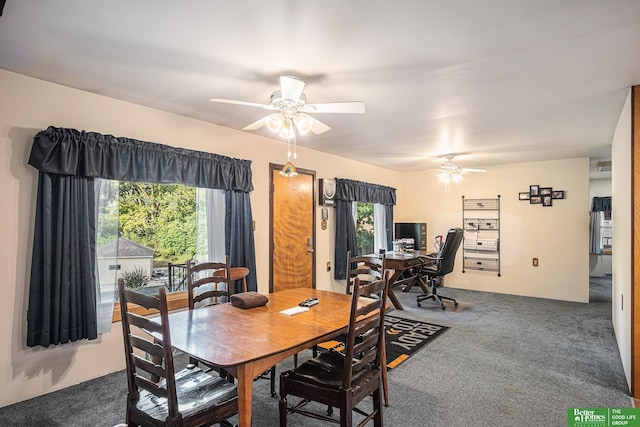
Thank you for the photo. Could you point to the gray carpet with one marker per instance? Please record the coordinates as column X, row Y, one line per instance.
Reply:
column 506, row 361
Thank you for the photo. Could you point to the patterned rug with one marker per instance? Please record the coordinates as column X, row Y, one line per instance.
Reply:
column 403, row 337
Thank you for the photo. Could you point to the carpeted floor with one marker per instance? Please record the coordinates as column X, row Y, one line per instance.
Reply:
column 506, row 361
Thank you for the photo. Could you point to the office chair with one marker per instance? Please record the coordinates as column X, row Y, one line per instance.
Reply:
column 434, row 268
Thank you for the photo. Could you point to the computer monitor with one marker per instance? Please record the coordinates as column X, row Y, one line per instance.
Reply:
column 414, row 230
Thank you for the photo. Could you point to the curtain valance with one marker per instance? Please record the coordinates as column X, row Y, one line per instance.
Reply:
column 71, row 152
column 364, row 192
column 601, row 204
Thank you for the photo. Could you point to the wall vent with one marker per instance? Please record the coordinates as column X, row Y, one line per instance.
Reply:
column 604, row 166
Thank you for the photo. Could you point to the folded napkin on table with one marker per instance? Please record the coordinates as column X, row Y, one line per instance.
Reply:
column 248, row 299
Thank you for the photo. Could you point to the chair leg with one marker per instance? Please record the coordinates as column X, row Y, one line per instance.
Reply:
column 377, row 408
column 433, row 294
column 283, row 410
column 273, row 382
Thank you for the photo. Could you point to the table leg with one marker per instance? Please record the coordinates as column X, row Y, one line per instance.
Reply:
column 245, row 395
column 392, row 296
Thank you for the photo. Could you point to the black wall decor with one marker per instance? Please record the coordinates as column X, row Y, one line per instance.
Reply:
column 541, row 195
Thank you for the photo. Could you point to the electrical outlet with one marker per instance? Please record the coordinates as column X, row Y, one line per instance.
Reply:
column 535, row 262
column 328, row 265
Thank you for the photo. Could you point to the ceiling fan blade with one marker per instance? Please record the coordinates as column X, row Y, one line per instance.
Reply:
column 318, row 127
column 247, row 103
column 473, row 170
column 291, row 88
column 355, row 107
column 256, row 125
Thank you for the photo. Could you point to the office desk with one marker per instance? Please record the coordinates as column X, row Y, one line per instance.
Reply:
column 401, row 262
column 248, row 342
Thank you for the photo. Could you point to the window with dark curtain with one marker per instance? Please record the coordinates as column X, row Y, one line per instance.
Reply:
column 348, row 191
column 62, row 295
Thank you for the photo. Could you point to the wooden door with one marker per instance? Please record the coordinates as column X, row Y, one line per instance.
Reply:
column 292, row 231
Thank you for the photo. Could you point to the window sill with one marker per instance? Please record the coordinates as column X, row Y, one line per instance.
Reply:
column 175, row 301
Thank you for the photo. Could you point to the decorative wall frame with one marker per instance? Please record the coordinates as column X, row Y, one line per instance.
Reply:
column 541, row 195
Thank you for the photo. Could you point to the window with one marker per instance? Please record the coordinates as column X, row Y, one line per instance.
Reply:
column 370, row 227
column 148, row 232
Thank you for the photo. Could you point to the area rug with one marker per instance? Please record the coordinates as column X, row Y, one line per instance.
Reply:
column 404, row 337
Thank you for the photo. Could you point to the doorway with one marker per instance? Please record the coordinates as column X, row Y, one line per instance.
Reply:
column 292, row 230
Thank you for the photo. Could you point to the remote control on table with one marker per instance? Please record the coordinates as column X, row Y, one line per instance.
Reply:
column 309, row 302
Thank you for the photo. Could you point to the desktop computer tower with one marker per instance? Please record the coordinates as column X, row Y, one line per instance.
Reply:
column 413, row 230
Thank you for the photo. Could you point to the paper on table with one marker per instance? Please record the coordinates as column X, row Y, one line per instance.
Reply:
column 294, row 310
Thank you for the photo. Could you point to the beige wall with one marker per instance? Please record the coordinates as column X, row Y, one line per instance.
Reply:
column 557, row 235
column 621, row 161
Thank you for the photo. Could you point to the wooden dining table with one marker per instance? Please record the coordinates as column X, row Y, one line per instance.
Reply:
column 247, row 342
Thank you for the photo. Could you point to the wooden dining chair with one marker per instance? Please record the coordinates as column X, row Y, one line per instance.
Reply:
column 190, row 397
column 236, row 273
column 343, row 379
column 207, row 284
column 367, row 268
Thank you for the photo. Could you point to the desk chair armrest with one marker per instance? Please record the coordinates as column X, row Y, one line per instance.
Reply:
column 428, row 259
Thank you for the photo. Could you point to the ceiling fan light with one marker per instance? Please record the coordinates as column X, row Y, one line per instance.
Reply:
column 303, row 123
column 287, row 131
column 274, row 122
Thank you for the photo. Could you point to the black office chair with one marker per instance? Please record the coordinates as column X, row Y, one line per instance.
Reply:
column 434, row 268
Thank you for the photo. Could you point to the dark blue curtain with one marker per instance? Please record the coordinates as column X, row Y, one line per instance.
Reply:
column 348, row 191
column 601, row 204
column 239, row 242
column 62, row 295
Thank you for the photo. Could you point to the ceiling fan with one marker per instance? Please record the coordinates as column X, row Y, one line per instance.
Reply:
column 451, row 172
column 291, row 112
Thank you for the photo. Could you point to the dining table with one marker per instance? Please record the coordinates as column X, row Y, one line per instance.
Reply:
column 247, row 342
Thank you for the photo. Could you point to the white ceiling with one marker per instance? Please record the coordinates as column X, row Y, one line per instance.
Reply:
column 501, row 81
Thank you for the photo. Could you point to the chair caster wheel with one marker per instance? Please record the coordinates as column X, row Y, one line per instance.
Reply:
column 456, row 304
column 443, row 307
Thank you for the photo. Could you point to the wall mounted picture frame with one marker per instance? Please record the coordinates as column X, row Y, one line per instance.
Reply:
column 547, row 200
column 545, row 191
column 557, row 195
column 534, row 190
column 535, row 200
column 523, row 196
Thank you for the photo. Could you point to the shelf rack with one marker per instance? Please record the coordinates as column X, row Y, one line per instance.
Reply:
column 481, row 243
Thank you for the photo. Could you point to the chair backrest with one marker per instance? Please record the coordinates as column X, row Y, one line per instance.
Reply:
column 154, row 374
column 363, row 346
column 366, row 268
column 448, row 250
column 207, row 282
